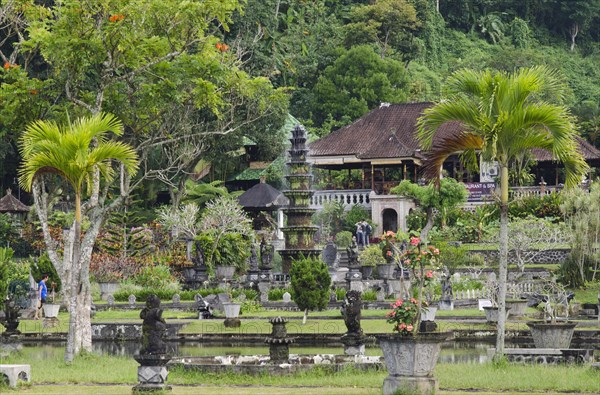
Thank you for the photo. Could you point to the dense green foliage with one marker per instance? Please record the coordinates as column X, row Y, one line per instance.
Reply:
column 340, row 59
column 309, row 283
column 43, row 265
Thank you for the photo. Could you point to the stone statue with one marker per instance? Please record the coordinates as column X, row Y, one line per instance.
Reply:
column 447, row 293
column 266, row 254
column 351, row 308
column 198, row 258
column 352, row 251
column 253, row 260
column 153, row 327
column 11, row 316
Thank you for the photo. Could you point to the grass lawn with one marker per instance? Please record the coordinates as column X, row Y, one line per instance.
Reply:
column 319, row 322
column 95, row 374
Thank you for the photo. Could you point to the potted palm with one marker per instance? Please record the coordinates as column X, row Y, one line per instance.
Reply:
column 411, row 355
column 553, row 332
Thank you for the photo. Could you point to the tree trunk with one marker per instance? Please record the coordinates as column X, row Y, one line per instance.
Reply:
column 73, row 338
column 428, row 225
column 503, row 263
column 305, row 316
column 573, row 31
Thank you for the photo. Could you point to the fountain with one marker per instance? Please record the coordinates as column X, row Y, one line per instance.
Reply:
column 279, row 343
column 298, row 232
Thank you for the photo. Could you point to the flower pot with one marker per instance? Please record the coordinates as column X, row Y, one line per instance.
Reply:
column 231, row 310
column 224, row 272
column 107, row 289
column 491, row 313
column 367, row 271
column 51, row 310
column 548, row 335
column 428, row 314
column 385, row 272
column 410, row 361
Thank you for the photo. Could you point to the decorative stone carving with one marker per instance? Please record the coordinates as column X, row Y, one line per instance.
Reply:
column 153, row 372
column 353, row 340
column 278, row 342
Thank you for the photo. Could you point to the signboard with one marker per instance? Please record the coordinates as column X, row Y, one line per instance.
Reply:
column 479, row 191
column 488, row 171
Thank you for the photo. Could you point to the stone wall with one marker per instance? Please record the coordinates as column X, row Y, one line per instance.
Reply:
column 556, row 255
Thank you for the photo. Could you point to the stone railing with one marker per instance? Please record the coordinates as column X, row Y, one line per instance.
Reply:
column 523, row 192
column 348, row 198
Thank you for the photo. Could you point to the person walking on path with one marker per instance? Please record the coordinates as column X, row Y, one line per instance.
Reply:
column 42, row 293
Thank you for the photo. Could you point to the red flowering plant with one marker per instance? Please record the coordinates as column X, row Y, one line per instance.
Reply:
column 420, row 261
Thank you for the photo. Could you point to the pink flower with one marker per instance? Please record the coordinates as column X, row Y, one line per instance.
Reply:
column 413, row 300
column 409, row 328
column 429, row 274
column 414, row 241
column 389, row 253
column 407, row 261
column 436, row 251
column 402, row 326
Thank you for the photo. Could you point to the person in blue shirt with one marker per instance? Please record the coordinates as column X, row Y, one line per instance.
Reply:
column 42, row 293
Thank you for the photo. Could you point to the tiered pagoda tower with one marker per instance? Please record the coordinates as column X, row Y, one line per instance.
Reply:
column 298, row 232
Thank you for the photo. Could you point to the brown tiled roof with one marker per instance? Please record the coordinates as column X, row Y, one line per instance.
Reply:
column 385, row 132
column 389, row 132
column 588, row 151
column 10, row 204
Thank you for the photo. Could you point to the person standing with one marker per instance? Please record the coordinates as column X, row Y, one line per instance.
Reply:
column 41, row 294
column 366, row 232
column 360, row 236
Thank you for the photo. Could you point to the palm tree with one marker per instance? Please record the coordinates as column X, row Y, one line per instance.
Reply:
column 503, row 115
column 80, row 153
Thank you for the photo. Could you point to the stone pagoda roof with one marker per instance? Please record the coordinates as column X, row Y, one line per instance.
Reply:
column 10, row 204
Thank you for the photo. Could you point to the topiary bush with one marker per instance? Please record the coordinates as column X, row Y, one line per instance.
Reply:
column 309, row 284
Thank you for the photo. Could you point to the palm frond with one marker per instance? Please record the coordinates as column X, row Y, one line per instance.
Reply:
column 435, row 157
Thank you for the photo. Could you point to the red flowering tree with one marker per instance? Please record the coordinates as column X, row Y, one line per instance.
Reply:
column 421, row 261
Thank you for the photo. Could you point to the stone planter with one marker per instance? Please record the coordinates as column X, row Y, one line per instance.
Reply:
column 491, row 313
column 224, row 272
column 410, row 361
column 107, row 289
column 428, row 314
column 548, row 335
column 367, row 271
column 51, row 310
column 517, row 307
column 231, row 310
column 385, row 272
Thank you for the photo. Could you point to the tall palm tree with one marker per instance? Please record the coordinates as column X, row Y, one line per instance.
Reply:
column 79, row 152
column 503, row 115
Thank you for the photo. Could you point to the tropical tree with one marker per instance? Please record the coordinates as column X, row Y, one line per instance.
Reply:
column 503, row 115
column 449, row 194
column 82, row 154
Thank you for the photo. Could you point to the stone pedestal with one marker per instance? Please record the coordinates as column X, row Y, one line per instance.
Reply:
column 264, row 287
column 153, row 373
column 279, row 349
column 446, row 305
column 354, row 344
column 409, row 385
column 354, row 280
column 232, row 322
column 50, row 322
